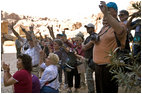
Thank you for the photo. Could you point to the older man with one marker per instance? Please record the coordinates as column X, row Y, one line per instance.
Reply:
column 106, row 43
column 33, row 51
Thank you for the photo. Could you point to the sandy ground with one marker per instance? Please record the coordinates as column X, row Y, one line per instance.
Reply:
column 8, row 57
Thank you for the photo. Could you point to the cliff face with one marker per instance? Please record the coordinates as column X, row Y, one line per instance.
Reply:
column 40, row 24
column 13, row 16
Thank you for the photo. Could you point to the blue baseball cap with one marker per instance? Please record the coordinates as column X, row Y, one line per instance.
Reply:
column 112, row 5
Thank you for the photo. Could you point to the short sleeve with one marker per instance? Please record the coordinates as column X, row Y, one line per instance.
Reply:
column 18, row 76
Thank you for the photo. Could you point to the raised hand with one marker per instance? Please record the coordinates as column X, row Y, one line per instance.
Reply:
column 103, row 7
column 51, row 31
column 5, row 66
column 48, row 27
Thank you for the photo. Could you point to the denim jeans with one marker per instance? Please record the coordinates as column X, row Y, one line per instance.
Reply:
column 47, row 89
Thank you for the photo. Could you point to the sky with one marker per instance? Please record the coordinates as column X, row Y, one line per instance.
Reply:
column 57, row 8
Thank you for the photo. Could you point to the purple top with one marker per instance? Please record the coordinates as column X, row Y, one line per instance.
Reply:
column 35, row 84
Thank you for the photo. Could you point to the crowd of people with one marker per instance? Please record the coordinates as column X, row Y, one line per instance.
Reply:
column 41, row 62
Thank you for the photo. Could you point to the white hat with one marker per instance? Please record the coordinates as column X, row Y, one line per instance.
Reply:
column 89, row 25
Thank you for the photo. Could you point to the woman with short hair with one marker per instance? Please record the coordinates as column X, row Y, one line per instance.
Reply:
column 22, row 79
column 49, row 80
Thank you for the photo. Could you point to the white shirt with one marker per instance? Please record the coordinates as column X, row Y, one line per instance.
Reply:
column 49, row 74
column 24, row 43
column 34, row 53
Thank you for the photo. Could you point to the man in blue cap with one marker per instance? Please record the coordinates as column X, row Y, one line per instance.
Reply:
column 105, row 44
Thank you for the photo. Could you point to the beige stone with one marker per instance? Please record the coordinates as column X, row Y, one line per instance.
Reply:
column 4, row 27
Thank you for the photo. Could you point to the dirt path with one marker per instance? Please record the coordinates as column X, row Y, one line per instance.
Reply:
column 9, row 58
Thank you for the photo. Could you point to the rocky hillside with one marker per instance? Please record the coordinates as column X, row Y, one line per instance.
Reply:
column 40, row 24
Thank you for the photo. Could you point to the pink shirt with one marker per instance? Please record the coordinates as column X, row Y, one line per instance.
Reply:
column 24, row 82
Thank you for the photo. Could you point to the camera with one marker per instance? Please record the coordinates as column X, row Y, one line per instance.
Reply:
column 95, row 37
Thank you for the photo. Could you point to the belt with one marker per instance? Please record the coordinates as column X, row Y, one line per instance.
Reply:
column 35, row 65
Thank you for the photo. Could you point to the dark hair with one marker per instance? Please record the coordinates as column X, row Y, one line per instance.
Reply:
column 26, row 61
column 30, row 39
column 125, row 12
column 59, row 34
column 59, row 42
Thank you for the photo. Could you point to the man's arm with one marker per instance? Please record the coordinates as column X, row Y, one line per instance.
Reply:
column 111, row 20
column 130, row 21
column 88, row 46
column 28, row 35
column 51, row 31
column 41, row 38
column 34, row 39
column 14, row 32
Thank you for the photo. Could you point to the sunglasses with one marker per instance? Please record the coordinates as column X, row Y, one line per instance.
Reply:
column 121, row 14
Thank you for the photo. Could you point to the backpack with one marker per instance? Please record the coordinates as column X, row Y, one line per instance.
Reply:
column 69, row 60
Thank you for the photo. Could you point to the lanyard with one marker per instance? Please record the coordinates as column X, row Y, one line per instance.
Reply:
column 104, row 32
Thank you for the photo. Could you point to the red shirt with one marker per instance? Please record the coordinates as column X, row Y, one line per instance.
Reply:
column 24, row 84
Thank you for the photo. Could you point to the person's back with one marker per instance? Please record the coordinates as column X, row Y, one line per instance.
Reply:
column 35, row 84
